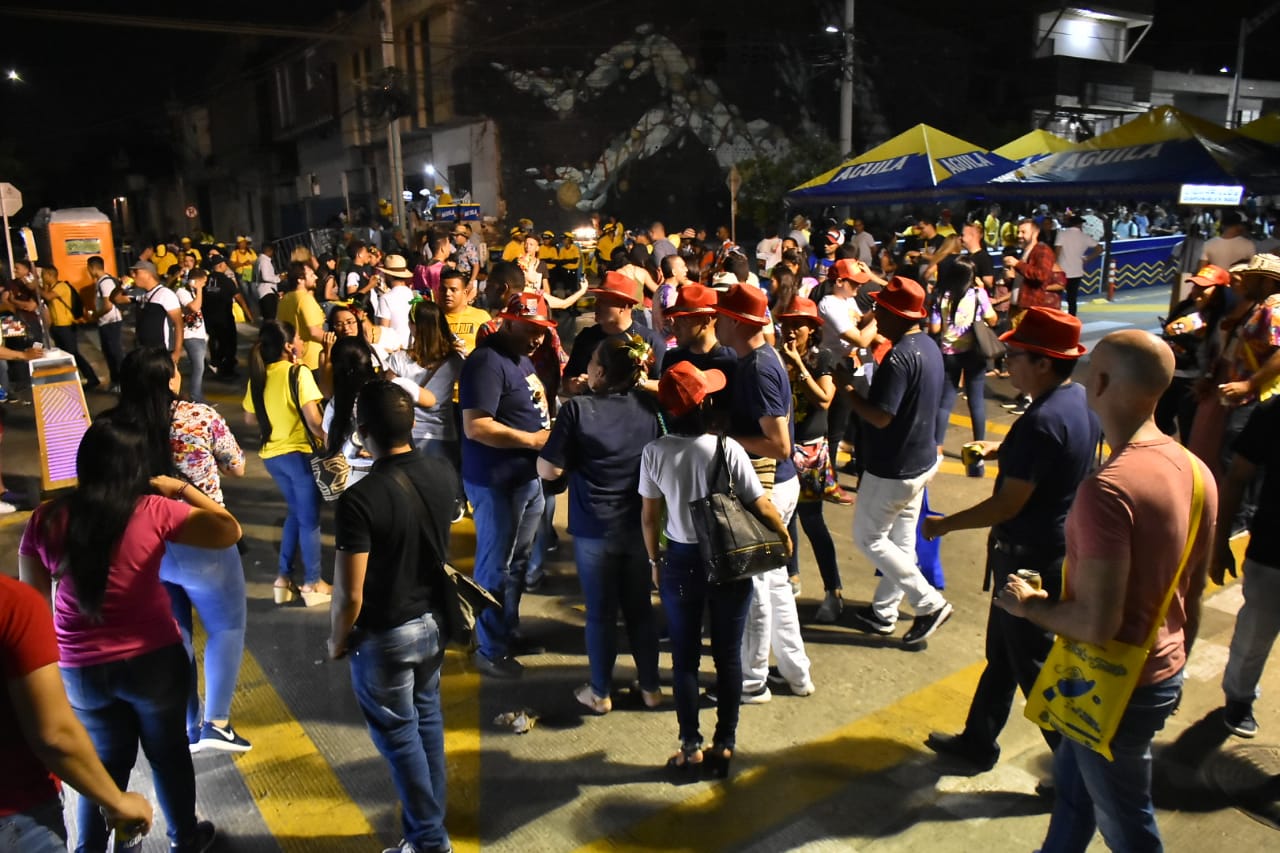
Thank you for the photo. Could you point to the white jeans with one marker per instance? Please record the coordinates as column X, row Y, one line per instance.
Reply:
column 1257, row 625
column 884, row 528
column 771, row 619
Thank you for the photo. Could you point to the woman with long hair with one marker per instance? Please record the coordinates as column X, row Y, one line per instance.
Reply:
column 598, row 438
column 123, row 665
column 353, row 366
column 193, row 442
column 962, row 303
column 674, row 470
column 428, row 370
column 282, row 400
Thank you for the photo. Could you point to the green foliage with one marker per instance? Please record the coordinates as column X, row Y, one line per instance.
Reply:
column 765, row 181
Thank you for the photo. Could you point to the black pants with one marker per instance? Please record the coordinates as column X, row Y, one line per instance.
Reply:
column 65, row 338
column 222, row 345
column 1073, row 294
column 1016, row 650
column 267, row 305
column 1177, row 408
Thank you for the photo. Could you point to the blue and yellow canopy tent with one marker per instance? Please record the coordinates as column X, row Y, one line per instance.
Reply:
column 920, row 164
column 1154, row 154
column 1033, row 146
column 1264, row 129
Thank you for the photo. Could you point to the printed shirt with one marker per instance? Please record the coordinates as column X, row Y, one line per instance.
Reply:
column 1254, row 342
column 201, row 442
column 955, row 330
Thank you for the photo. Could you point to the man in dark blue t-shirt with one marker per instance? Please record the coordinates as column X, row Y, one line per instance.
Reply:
column 505, row 421
column 693, row 322
column 1047, row 453
column 760, row 418
column 901, row 458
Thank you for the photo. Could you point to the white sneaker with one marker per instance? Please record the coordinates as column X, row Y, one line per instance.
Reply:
column 6, row 508
column 806, row 689
column 830, row 609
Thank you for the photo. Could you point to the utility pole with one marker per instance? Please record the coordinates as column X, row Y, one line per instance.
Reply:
column 396, row 196
column 1247, row 26
column 846, row 83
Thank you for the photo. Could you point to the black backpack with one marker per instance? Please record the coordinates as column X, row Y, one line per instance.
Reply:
column 76, row 305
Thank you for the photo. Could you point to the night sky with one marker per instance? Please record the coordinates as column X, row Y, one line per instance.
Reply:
column 85, row 87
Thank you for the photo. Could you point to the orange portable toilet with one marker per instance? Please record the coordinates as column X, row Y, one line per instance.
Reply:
column 75, row 235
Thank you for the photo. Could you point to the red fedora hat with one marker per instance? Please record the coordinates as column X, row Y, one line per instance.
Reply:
column 903, row 296
column 851, row 270
column 1047, row 331
column 693, row 299
column 683, row 387
column 746, row 303
column 802, row 309
column 619, row 285
column 528, row 307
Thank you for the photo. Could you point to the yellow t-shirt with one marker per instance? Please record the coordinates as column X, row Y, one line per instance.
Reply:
column 288, row 429
column 570, row 257
column 466, row 323
column 300, row 308
column 164, row 262
column 991, row 231
column 513, row 250
column 946, row 230
column 59, row 302
column 242, row 261
column 550, row 255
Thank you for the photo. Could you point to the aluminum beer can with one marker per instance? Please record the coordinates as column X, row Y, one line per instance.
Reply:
column 971, row 453
column 1031, row 577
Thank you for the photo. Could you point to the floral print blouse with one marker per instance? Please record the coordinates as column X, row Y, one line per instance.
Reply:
column 201, row 442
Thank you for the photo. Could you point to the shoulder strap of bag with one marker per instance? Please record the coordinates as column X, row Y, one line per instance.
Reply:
column 720, row 471
column 425, row 516
column 294, row 370
column 1197, row 511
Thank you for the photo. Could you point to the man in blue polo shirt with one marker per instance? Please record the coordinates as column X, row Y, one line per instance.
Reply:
column 1047, row 453
column 901, row 459
column 760, row 418
column 505, row 421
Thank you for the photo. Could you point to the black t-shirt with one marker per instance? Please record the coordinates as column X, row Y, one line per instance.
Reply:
column 811, row 419
column 219, row 295
column 589, row 338
column 1258, row 443
column 863, row 297
column 983, row 266
column 761, row 389
column 598, row 439
column 719, row 357
column 907, row 385
column 377, row 518
column 1055, row 446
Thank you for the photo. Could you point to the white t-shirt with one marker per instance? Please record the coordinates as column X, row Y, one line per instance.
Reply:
column 166, row 299
column 769, row 252
column 840, row 314
column 866, row 246
column 1226, row 251
column 106, row 285
column 394, row 306
column 675, row 467
column 1074, row 243
column 360, row 464
column 268, row 279
column 436, row 422
column 193, row 328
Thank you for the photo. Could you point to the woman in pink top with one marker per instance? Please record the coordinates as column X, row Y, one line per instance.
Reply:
column 123, row 664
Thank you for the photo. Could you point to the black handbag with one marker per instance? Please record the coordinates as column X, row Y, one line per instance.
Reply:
column 733, row 542
column 330, row 471
column 462, row 599
column 987, row 341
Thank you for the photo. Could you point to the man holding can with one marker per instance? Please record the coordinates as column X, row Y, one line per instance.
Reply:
column 1047, row 453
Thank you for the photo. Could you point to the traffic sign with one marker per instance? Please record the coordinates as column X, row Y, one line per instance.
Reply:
column 10, row 200
column 191, row 211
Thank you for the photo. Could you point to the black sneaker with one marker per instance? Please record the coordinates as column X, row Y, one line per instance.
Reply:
column 505, row 667
column 866, row 620
column 205, row 835
column 756, row 697
column 220, row 739
column 519, row 646
column 1238, row 718
column 958, row 747
column 922, row 627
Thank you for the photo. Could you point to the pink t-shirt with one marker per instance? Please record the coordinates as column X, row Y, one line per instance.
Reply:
column 1138, row 507
column 136, row 616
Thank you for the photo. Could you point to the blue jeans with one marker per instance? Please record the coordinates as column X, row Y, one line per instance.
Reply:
column 40, row 830
column 396, row 678
column 1113, row 796
column 196, row 349
column 973, row 368
column 542, row 539
column 506, row 520
column 142, row 699
column 293, row 477
column 686, row 596
column 809, row 515
column 212, row 581
column 615, row 573
column 112, row 344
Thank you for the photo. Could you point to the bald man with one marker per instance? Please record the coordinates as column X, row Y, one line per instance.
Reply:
column 1125, row 536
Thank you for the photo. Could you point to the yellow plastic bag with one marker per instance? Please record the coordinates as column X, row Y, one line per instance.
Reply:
column 237, row 312
column 1083, row 689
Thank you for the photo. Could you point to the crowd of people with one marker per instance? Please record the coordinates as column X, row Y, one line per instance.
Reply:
column 436, row 382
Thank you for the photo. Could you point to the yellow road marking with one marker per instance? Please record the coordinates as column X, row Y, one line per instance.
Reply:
column 728, row 815
column 14, row 518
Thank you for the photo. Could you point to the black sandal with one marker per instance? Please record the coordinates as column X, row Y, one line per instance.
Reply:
column 686, row 763
column 717, row 760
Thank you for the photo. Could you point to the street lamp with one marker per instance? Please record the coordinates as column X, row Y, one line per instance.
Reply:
column 832, row 28
column 13, row 76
